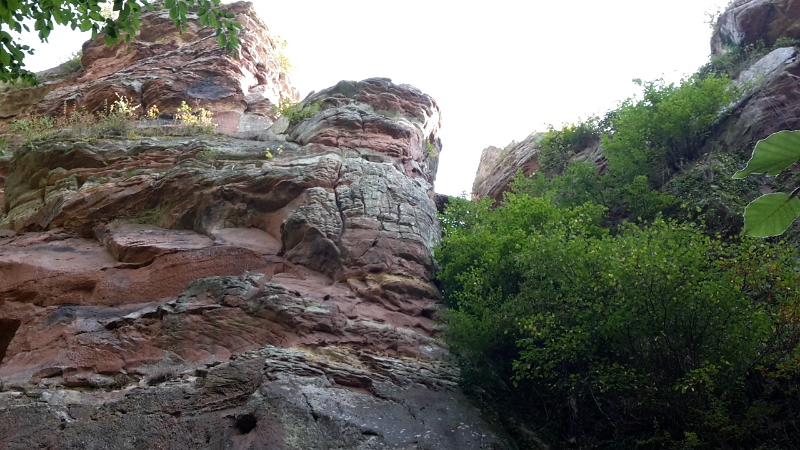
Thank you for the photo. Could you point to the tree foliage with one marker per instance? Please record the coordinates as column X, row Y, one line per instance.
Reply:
column 658, row 133
column 656, row 336
column 772, row 214
column 85, row 15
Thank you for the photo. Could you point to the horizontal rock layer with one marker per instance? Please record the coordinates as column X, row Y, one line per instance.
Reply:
column 207, row 292
column 163, row 67
column 323, row 398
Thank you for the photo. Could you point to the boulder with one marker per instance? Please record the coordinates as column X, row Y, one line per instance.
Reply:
column 748, row 22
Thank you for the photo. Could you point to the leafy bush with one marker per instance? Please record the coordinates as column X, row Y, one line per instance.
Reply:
column 656, row 135
column 579, row 184
column 284, row 63
column 659, row 336
column 73, row 64
column 708, row 186
column 196, row 120
column 645, row 142
column 772, row 214
column 558, row 146
column 297, row 112
column 116, row 120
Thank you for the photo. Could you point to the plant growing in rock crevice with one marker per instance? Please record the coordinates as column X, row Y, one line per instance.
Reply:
column 296, row 112
column 119, row 119
column 558, row 146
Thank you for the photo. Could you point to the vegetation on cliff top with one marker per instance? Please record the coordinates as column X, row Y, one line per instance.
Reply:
column 121, row 119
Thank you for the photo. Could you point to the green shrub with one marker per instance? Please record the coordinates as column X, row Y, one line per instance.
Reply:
column 658, row 336
column 658, row 134
column 707, row 185
column 73, row 64
column 284, row 63
column 296, row 112
column 32, row 129
column 192, row 120
column 580, row 183
column 558, row 146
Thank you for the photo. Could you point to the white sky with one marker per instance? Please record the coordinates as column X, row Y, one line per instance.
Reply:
column 499, row 70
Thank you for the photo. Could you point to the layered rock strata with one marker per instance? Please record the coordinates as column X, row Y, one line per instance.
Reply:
column 164, row 67
column 266, row 289
column 155, row 261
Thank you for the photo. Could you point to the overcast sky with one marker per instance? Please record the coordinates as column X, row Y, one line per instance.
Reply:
column 499, row 70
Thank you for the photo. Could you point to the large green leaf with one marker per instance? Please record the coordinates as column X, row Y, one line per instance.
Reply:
column 773, row 154
column 771, row 214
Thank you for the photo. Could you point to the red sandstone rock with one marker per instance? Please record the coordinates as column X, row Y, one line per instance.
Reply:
column 172, row 262
column 112, row 232
column 747, row 22
column 163, row 67
column 498, row 167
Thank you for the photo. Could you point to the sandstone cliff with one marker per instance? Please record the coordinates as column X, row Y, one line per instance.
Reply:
column 748, row 22
column 268, row 287
column 163, row 67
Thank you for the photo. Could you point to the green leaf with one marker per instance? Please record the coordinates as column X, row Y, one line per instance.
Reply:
column 773, row 154
column 771, row 214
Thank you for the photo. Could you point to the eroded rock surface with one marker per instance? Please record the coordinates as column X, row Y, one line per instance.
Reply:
column 163, row 67
column 323, row 398
column 272, row 286
column 499, row 166
column 748, row 22
column 770, row 103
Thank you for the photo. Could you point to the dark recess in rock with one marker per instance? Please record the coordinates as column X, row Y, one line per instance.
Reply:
column 8, row 327
column 246, row 423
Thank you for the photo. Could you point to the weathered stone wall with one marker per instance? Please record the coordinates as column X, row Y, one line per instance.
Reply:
column 163, row 67
column 266, row 289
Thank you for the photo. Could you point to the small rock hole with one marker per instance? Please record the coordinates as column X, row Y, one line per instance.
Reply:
column 8, row 328
column 246, row 423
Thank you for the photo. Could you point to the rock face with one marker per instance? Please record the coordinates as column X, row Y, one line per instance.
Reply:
column 221, row 292
column 498, row 167
column 746, row 22
column 163, row 67
column 769, row 105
